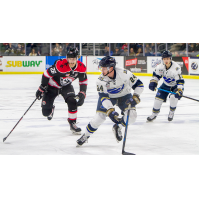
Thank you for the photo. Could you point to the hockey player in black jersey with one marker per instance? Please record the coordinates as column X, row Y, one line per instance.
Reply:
column 58, row 80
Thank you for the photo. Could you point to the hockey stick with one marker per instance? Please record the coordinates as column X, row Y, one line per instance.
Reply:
column 125, row 134
column 175, row 93
column 19, row 121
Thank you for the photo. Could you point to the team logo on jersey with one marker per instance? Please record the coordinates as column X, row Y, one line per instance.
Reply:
column 194, row 66
column 168, row 80
column 116, row 90
column 53, row 70
column 44, row 103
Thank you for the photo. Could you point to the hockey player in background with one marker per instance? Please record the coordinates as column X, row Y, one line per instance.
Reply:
column 114, row 87
column 57, row 80
column 172, row 81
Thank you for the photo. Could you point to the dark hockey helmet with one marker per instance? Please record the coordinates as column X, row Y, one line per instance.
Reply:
column 166, row 54
column 107, row 61
column 72, row 53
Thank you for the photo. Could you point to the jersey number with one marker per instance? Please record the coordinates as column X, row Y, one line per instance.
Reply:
column 132, row 79
column 99, row 88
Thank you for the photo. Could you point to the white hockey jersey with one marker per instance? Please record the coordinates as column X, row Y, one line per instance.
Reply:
column 171, row 76
column 121, row 85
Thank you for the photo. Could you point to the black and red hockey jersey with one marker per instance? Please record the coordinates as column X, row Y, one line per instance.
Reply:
column 60, row 74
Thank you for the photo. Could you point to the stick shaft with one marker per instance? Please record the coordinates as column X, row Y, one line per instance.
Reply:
column 19, row 120
column 175, row 93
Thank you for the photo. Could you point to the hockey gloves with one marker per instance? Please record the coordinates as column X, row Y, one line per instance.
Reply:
column 113, row 115
column 40, row 92
column 134, row 100
column 81, row 97
column 153, row 85
column 179, row 93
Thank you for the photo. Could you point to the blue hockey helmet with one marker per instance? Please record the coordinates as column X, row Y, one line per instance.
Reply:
column 107, row 61
column 166, row 54
column 72, row 53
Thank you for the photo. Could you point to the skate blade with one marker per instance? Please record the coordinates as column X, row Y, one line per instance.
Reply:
column 115, row 136
column 76, row 133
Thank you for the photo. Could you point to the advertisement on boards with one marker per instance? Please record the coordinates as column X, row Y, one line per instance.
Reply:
column 24, row 63
column 93, row 62
column 194, row 66
column 1, row 63
column 136, row 64
column 152, row 62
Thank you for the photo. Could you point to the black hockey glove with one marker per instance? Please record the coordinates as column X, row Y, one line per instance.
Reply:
column 40, row 92
column 153, row 85
column 81, row 97
column 113, row 115
column 179, row 93
column 134, row 100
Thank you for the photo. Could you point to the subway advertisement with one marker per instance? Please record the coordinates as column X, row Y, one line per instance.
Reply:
column 136, row 64
column 24, row 63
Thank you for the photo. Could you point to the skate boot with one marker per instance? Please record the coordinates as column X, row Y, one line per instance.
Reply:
column 51, row 115
column 82, row 140
column 171, row 115
column 152, row 117
column 117, row 132
column 74, row 128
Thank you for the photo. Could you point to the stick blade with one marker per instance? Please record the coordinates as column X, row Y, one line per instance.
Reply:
column 127, row 153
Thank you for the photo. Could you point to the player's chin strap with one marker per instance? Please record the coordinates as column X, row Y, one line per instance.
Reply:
column 108, row 72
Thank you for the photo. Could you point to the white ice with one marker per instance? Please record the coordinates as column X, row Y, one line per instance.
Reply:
column 36, row 135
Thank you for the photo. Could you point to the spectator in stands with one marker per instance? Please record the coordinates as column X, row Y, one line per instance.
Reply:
column 106, row 52
column 19, row 49
column 66, row 48
column 125, row 53
column 196, row 47
column 33, row 53
column 139, row 52
column 9, row 49
column 134, row 46
column 116, row 52
column 132, row 53
column 125, row 45
column 61, row 53
column 56, row 48
column 147, row 50
column 175, row 53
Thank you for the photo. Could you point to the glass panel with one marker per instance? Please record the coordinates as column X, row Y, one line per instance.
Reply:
column 38, row 49
column 119, row 49
column 177, row 49
column 193, row 49
column 138, row 48
column 160, row 48
column 12, row 49
column 149, row 49
column 87, row 49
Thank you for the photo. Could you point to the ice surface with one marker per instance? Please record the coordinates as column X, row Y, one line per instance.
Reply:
column 35, row 135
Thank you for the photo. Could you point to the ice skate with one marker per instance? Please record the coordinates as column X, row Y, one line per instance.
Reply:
column 152, row 117
column 117, row 132
column 171, row 115
column 51, row 115
column 82, row 140
column 74, row 128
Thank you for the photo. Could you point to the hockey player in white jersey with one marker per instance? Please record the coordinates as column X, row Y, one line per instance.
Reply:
column 114, row 86
column 172, row 81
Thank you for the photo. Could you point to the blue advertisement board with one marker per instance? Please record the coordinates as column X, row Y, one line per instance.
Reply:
column 50, row 60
